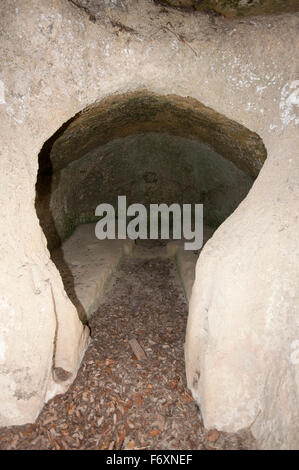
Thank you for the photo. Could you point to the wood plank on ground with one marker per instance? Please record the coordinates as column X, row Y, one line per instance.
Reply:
column 137, row 349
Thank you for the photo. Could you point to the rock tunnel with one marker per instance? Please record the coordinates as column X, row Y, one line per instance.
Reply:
column 150, row 148
column 163, row 107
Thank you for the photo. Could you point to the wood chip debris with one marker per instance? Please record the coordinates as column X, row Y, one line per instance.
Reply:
column 119, row 400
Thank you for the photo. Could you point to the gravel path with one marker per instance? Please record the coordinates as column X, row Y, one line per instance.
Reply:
column 116, row 401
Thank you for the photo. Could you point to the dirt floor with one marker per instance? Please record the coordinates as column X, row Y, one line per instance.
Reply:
column 118, row 401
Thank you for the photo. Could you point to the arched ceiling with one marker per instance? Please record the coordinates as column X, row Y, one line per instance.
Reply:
column 141, row 112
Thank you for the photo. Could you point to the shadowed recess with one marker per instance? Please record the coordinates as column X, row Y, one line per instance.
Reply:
column 150, row 148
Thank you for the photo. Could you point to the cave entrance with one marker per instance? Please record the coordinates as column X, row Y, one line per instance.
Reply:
column 152, row 149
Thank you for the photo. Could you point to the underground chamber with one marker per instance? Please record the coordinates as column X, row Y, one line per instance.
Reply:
column 217, row 326
column 148, row 149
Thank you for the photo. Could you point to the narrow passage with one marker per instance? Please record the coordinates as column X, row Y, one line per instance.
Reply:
column 118, row 401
